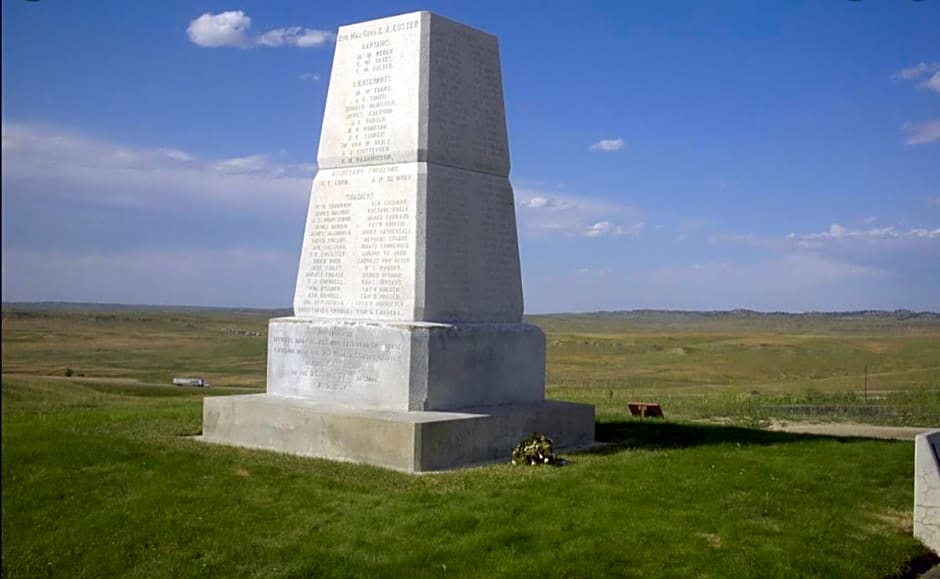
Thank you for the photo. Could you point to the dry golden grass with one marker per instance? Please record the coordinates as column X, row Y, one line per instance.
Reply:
column 693, row 365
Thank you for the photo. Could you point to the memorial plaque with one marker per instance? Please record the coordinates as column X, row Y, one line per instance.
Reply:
column 373, row 104
column 415, row 87
column 411, row 217
column 410, row 242
column 360, row 248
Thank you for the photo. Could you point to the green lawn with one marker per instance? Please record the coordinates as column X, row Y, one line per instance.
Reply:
column 104, row 481
column 100, row 476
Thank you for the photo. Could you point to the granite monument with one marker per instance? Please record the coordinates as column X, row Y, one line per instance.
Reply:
column 407, row 347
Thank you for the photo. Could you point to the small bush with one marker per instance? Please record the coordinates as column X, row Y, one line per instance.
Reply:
column 68, row 372
column 535, row 450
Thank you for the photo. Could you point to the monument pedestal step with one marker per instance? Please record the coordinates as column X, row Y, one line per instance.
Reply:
column 414, row 366
column 410, row 441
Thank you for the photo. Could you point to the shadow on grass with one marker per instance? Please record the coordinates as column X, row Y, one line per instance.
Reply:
column 627, row 434
column 918, row 566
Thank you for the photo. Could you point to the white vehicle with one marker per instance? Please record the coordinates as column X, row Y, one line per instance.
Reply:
column 198, row 382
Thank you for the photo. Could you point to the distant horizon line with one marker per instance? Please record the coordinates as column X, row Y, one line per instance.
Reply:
column 563, row 313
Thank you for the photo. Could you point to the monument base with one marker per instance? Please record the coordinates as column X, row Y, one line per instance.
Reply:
column 927, row 489
column 405, row 365
column 409, row 441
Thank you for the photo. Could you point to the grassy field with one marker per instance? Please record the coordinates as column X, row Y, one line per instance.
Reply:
column 751, row 368
column 149, row 347
column 745, row 368
column 99, row 477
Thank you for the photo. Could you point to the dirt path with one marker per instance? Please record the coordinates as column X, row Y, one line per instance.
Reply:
column 851, row 429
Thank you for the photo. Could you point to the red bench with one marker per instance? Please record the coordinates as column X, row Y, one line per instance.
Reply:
column 645, row 409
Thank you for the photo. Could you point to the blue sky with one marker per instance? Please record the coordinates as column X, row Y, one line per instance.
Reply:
column 687, row 155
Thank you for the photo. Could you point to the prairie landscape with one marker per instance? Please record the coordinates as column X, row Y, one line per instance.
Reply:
column 741, row 366
column 100, row 476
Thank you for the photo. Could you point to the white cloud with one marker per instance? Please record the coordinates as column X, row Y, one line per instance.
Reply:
column 836, row 237
column 835, row 231
column 916, row 71
column 929, row 71
column 921, row 233
column 737, row 238
column 247, row 164
column 545, row 203
column 922, row 133
column 83, row 217
column 932, row 83
column 309, row 76
column 598, row 229
column 869, row 220
column 690, row 228
column 789, row 272
column 542, row 214
column 840, row 240
column 603, row 271
column 605, row 228
column 839, row 232
column 222, row 29
column 82, row 169
column 790, row 281
column 295, row 36
column 231, row 29
column 607, row 145
column 178, row 155
column 146, row 276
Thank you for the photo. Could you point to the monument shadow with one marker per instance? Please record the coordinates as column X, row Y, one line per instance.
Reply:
column 622, row 435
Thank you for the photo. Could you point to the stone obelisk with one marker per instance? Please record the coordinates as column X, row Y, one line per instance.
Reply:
column 407, row 347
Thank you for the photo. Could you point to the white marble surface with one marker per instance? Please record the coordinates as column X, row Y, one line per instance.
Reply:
column 466, row 118
column 415, row 87
column 470, row 255
column 410, row 242
column 927, row 489
column 405, row 366
column 373, row 102
column 361, row 244
column 411, row 216
column 401, row 440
